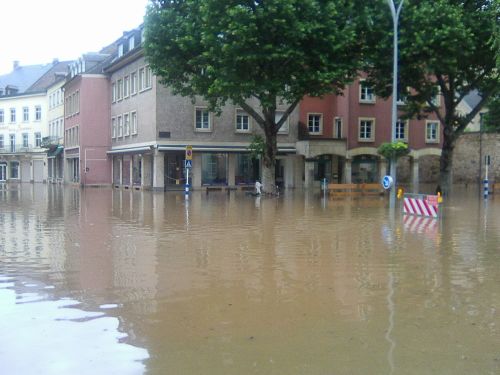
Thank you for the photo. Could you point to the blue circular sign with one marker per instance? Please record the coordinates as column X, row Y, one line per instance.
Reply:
column 387, row 182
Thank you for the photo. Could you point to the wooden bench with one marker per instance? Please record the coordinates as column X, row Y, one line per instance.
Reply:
column 352, row 190
column 495, row 188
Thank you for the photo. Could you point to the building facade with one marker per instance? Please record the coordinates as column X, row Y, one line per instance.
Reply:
column 151, row 128
column 340, row 135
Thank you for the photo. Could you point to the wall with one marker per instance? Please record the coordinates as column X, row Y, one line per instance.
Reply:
column 466, row 158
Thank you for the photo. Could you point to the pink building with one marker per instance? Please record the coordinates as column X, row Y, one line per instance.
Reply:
column 339, row 137
column 86, row 131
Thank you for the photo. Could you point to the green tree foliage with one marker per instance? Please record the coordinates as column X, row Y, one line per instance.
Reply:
column 260, row 52
column 492, row 117
column 447, row 48
column 393, row 150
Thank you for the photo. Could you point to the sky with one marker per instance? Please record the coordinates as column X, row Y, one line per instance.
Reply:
column 38, row 31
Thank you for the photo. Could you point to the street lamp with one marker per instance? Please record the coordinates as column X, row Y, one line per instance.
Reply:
column 395, row 11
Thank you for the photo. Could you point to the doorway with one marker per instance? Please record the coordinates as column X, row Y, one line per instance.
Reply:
column 3, row 172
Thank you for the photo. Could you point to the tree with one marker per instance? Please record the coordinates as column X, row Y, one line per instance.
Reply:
column 491, row 118
column 446, row 49
column 254, row 51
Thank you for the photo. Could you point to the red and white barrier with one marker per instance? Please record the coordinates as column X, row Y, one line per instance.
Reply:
column 420, row 224
column 421, row 205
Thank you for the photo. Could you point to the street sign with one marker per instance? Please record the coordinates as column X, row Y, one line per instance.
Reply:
column 387, row 182
column 189, row 153
column 188, row 164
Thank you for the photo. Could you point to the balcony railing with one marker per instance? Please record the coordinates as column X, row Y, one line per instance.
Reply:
column 17, row 149
column 53, row 140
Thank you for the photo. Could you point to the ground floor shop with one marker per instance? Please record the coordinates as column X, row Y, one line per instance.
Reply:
column 165, row 169
column 28, row 167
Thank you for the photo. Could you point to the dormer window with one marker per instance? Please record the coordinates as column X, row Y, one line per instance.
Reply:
column 120, row 50
column 131, row 44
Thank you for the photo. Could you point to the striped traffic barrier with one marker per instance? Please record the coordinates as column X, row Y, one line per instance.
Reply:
column 421, row 205
column 420, row 224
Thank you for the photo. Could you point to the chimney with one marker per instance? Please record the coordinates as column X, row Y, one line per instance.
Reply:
column 15, row 65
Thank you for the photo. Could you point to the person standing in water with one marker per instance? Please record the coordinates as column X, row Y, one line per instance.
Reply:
column 258, row 187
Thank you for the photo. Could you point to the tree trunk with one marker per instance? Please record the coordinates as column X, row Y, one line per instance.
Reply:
column 269, row 160
column 446, row 163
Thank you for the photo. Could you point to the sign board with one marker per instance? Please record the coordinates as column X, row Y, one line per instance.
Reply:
column 432, row 200
column 188, row 163
column 387, row 182
column 189, row 153
column 421, row 205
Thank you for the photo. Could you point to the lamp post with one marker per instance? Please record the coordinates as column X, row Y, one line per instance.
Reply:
column 395, row 11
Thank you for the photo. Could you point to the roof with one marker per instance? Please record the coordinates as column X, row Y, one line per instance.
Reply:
column 23, row 77
column 55, row 74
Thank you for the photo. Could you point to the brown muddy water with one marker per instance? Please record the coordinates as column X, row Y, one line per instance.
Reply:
column 101, row 281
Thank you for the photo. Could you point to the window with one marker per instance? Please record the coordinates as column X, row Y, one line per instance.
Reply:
column 119, row 94
column 14, row 169
column 126, row 124
column 436, row 97
column 337, row 128
column 401, row 130
column 26, row 114
column 242, row 122
column 113, row 127
column 25, row 140
column 142, row 79
column 202, row 119
column 113, row 92
column 366, row 130
column 402, row 96
column 2, row 145
column 314, row 123
column 432, row 132
column 2, row 119
column 131, row 43
column 285, row 127
column 12, row 140
column 38, row 113
column 366, row 94
column 126, row 86
column 133, row 122
column 147, row 77
column 12, row 115
column 120, row 50
column 38, row 139
column 120, row 126
column 133, row 83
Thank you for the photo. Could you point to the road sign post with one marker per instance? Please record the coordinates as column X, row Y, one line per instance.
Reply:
column 188, row 164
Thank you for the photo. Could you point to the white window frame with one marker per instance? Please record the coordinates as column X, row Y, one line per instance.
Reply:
column 148, row 77
column 319, row 125
column 436, row 99
column 285, row 128
column 119, row 124
column 406, row 125
column 209, row 120
column 364, row 95
column 240, row 114
column 126, row 124
column 2, row 142
column 113, row 92
column 133, row 122
column 113, row 127
column 126, row 87
column 2, row 116
column 12, row 115
column 26, row 114
column 337, row 122
column 362, row 137
column 38, row 139
column 429, row 139
column 26, row 140
column 133, row 83
column 141, row 79
column 38, row 113
column 119, row 87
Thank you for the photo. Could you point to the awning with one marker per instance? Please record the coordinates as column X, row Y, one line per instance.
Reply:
column 130, row 150
column 216, row 148
column 58, row 150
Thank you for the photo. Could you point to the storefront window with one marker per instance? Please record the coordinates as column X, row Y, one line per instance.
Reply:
column 14, row 169
column 364, row 169
column 247, row 169
column 214, row 169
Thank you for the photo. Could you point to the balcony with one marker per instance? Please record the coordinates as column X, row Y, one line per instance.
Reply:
column 51, row 141
column 18, row 149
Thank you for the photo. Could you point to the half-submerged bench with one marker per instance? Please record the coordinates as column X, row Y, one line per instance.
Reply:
column 352, row 190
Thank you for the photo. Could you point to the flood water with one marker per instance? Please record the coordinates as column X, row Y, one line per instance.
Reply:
column 102, row 281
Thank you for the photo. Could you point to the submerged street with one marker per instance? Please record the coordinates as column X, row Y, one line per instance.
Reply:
column 130, row 282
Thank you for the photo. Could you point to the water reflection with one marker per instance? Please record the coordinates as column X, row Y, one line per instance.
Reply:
column 229, row 283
